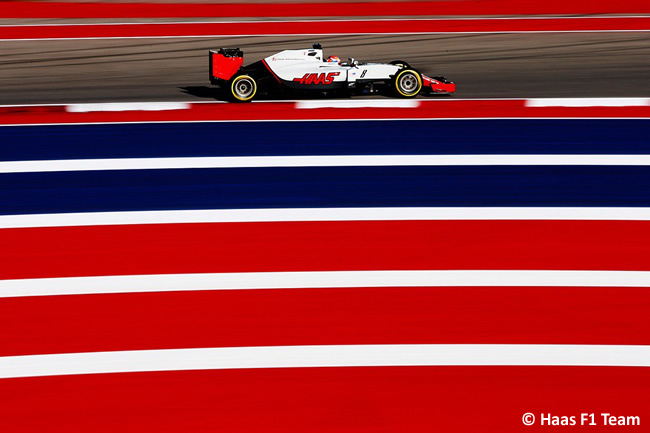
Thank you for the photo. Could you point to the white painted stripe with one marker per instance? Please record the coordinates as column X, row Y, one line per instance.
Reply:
column 314, row 161
column 359, row 103
column 325, row 214
column 376, row 355
column 587, row 102
column 641, row 118
column 127, row 106
column 312, row 280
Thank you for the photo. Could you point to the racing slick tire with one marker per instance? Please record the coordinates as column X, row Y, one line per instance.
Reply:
column 407, row 83
column 400, row 63
column 242, row 88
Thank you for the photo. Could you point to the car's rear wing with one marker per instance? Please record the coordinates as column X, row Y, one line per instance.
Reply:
column 225, row 63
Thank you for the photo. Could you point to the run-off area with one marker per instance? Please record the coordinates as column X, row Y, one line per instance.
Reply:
column 150, row 290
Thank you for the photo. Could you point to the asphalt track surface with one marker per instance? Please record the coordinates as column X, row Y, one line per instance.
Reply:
column 483, row 66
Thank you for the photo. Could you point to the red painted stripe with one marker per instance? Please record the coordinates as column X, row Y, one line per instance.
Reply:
column 13, row 9
column 144, row 30
column 314, row 246
column 270, row 70
column 428, row 109
column 319, row 400
column 406, row 315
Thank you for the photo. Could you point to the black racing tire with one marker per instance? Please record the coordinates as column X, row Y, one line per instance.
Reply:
column 242, row 88
column 401, row 63
column 407, row 83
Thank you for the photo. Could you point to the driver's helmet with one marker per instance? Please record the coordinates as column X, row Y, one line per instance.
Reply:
column 333, row 59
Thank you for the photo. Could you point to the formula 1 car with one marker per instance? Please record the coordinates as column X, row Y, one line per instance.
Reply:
column 292, row 72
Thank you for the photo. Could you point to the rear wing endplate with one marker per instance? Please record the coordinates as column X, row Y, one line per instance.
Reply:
column 224, row 63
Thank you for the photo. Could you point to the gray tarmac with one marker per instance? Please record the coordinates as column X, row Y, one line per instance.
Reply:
column 482, row 65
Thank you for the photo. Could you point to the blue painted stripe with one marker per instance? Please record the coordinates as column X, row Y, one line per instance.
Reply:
column 136, row 190
column 496, row 136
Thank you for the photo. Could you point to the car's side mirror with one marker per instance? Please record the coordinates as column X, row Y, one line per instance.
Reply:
column 353, row 62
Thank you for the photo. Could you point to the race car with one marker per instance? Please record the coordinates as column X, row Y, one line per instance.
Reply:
column 307, row 71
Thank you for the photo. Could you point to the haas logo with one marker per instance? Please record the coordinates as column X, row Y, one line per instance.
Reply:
column 317, row 78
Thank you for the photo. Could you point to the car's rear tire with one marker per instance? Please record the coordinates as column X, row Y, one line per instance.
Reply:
column 407, row 83
column 242, row 88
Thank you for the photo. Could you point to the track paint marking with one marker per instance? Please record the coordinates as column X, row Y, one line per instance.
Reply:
column 324, row 214
column 321, row 316
column 324, row 246
column 316, row 161
column 127, row 106
column 311, row 280
column 358, row 103
column 375, row 355
column 325, row 187
column 429, row 109
column 318, row 400
column 588, row 102
column 14, row 9
column 640, row 116
column 419, row 17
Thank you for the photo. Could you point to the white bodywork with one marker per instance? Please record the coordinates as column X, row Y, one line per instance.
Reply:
column 292, row 65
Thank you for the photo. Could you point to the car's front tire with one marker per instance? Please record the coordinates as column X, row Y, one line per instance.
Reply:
column 243, row 88
column 407, row 83
column 400, row 63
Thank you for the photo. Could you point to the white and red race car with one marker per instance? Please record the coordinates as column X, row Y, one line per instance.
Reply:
column 292, row 72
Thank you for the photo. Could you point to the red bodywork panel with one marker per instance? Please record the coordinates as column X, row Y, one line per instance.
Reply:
column 223, row 67
column 437, row 86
